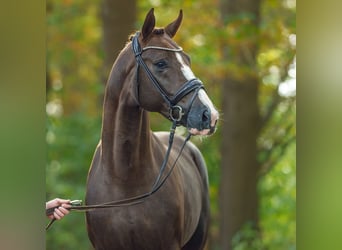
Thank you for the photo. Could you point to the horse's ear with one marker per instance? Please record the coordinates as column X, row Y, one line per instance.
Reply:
column 149, row 24
column 172, row 28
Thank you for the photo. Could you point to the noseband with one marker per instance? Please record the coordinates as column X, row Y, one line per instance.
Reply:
column 175, row 111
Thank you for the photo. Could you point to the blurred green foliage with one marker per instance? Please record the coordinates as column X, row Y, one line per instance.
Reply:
column 74, row 58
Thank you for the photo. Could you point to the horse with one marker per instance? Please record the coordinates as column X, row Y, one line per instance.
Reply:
column 151, row 74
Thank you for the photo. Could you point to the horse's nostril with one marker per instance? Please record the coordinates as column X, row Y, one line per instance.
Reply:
column 205, row 116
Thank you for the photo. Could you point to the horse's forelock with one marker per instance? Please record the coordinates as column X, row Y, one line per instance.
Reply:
column 156, row 31
column 159, row 31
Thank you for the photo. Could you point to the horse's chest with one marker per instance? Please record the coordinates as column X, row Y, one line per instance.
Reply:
column 137, row 227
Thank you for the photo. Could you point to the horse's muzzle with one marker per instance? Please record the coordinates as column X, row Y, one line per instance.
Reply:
column 202, row 120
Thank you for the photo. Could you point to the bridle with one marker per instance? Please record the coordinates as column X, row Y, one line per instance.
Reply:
column 175, row 115
column 194, row 85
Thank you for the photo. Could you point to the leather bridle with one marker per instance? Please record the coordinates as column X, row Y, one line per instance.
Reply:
column 158, row 183
column 175, row 115
column 194, row 85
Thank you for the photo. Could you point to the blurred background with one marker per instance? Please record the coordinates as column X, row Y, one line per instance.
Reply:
column 245, row 53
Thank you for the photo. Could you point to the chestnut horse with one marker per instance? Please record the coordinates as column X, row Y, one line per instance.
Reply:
column 151, row 74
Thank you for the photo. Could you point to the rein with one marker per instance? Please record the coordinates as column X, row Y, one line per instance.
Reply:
column 158, row 183
column 192, row 85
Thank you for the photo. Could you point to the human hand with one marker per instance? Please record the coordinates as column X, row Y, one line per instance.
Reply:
column 61, row 208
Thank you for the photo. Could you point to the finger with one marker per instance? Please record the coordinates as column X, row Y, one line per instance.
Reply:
column 58, row 213
column 57, row 216
column 63, row 210
column 62, row 201
column 66, row 205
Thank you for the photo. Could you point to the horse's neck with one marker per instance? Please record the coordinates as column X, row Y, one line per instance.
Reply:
column 126, row 135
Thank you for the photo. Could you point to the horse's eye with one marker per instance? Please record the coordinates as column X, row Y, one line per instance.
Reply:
column 161, row 64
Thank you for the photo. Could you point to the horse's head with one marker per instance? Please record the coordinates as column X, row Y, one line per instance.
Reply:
column 165, row 81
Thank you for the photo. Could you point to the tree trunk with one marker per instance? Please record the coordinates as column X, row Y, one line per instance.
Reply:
column 239, row 169
column 118, row 19
column 238, row 188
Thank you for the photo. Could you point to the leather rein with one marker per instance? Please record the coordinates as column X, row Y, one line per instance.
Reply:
column 175, row 115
